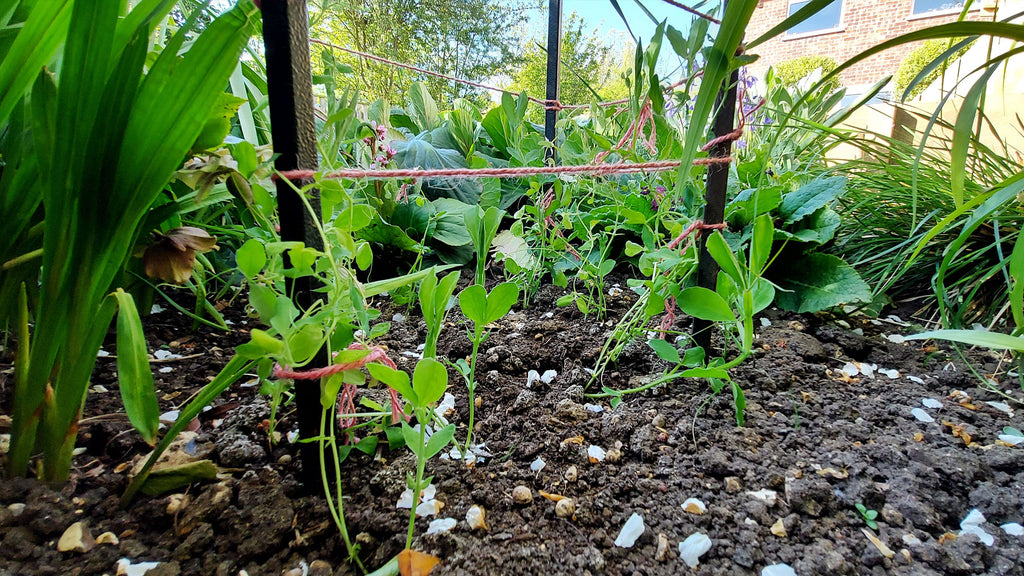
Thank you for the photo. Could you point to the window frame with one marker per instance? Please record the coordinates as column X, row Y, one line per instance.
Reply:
column 938, row 12
column 839, row 27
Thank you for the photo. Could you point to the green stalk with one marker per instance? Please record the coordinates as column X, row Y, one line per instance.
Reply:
column 337, row 513
column 471, row 385
column 421, row 465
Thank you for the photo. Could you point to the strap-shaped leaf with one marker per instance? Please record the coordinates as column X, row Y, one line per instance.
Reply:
column 37, row 41
column 994, row 340
column 135, row 378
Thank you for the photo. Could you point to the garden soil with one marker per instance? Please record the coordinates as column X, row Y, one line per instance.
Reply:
column 781, row 489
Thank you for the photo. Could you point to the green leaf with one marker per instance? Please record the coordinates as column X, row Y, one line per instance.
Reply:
column 994, row 340
column 761, row 243
column 720, row 251
column 705, row 304
column 38, row 39
column 705, row 373
column 424, row 109
column 412, row 440
column 170, row 478
column 500, row 301
column 809, row 198
column 473, row 302
column 251, row 257
column 665, row 351
column 135, row 379
column 429, row 380
column 395, row 379
column 820, row 281
column 439, row 440
column 805, row 12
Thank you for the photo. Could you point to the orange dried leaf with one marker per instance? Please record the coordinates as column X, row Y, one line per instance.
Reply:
column 947, row 537
column 918, row 437
column 552, row 497
column 578, row 440
column 969, row 406
column 413, row 563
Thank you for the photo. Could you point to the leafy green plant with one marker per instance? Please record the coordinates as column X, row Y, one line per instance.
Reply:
column 429, row 382
column 481, row 309
column 482, row 226
column 791, row 72
column 435, row 297
column 106, row 139
column 912, row 67
column 868, row 515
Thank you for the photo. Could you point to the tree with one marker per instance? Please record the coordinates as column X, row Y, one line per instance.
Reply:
column 591, row 70
column 470, row 39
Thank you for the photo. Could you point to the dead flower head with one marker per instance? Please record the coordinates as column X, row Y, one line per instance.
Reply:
column 171, row 256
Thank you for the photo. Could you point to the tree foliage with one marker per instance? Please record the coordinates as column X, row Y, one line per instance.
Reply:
column 591, row 69
column 471, row 39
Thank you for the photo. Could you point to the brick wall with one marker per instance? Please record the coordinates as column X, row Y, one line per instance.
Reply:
column 863, row 24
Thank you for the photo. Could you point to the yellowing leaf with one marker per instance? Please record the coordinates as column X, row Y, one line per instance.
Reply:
column 413, row 563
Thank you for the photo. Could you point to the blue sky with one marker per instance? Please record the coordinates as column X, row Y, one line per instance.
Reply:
column 600, row 15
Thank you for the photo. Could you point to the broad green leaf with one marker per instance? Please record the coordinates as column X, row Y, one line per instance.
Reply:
column 429, row 380
column 720, row 251
column 134, row 376
column 761, row 243
column 473, row 302
column 355, row 217
column 412, row 440
column 706, row 373
column 809, row 198
column 705, row 304
column 818, row 282
column 424, row 109
column 251, row 257
column 170, row 478
column 394, row 379
column 665, row 351
column 329, row 390
column 994, row 340
column 500, row 301
column 439, row 440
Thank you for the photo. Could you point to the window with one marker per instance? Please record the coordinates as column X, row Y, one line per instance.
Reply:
column 926, row 6
column 826, row 19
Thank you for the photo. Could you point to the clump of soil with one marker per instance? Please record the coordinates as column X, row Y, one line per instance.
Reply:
column 784, row 488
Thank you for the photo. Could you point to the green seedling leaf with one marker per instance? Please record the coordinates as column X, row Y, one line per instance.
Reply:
column 761, row 243
column 565, row 299
column 705, row 304
column 429, row 380
column 305, row 342
column 395, row 379
column 330, row 389
column 356, row 217
column 395, row 436
column 439, row 440
column 716, row 373
column 364, row 255
column 819, row 282
column 994, row 340
column 500, row 301
column 739, row 402
column 582, row 305
column 135, row 378
column 173, row 477
column 665, row 351
column 473, row 302
column 720, row 251
column 412, row 439
column 367, row 445
column 251, row 257
column 693, row 356
column 632, row 249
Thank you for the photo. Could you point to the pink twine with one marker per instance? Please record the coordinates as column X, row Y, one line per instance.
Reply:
column 696, row 226
column 670, row 317
column 468, row 173
column 377, row 354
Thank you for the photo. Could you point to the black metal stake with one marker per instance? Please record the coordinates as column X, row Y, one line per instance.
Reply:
column 554, row 72
column 290, row 94
column 714, row 200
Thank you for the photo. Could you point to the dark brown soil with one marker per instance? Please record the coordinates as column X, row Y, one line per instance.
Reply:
column 822, row 442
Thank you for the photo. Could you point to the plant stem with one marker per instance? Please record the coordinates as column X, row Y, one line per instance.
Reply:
column 471, row 386
column 337, row 513
column 421, row 464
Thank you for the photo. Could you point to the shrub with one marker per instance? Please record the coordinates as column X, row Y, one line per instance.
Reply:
column 922, row 56
column 792, row 71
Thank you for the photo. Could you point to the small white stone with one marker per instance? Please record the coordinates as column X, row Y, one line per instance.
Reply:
column 778, row 570
column 102, row 353
column 613, row 291
column 1002, row 407
column 931, row 403
column 911, row 540
column 398, row 318
column 1011, row 439
column 851, row 369
column 538, row 464
column 971, row 524
column 441, row 525
column 166, row 370
column 17, row 508
column 694, row 506
column 921, row 415
column 895, row 338
column 632, row 530
column 170, row 417
column 892, row 374
column 595, row 454
column 1013, row 529
column 915, row 379
column 858, row 331
column 691, row 549
column 548, row 376
column 595, row 408
column 764, row 324
column 475, row 518
column 126, row 568
column 156, row 309
column 769, row 497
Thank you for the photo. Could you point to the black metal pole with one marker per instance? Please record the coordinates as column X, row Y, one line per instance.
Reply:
column 714, row 199
column 290, row 94
column 554, row 72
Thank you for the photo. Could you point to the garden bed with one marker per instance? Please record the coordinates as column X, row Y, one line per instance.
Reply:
column 818, row 440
